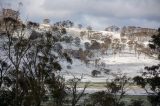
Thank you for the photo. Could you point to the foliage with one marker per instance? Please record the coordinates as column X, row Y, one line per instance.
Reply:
column 6, row 98
column 95, row 45
column 65, row 23
column 95, row 73
column 87, row 45
column 155, row 43
column 77, row 41
column 136, row 102
column 114, row 93
column 67, row 39
column 102, row 98
column 76, row 95
column 150, row 78
column 33, row 68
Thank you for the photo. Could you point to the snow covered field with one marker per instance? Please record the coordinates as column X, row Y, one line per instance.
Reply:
column 125, row 62
column 128, row 64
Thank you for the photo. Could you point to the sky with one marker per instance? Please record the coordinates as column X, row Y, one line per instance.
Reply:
column 97, row 13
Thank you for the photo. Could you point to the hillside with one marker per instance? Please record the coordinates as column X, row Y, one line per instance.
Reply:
column 117, row 58
column 126, row 61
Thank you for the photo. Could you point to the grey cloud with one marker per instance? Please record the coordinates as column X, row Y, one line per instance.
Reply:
column 98, row 13
column 115, row 8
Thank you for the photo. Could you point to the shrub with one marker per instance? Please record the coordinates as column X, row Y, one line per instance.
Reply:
column 95, row 73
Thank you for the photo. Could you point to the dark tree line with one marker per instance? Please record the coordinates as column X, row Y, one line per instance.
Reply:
column 65, row 23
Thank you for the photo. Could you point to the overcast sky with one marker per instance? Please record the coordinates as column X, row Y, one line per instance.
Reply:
column 97, row 13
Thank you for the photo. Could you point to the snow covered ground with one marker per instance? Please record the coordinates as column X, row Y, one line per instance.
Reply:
column 129, row 91
column 126, row 62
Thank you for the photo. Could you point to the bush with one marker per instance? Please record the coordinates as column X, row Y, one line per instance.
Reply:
column 87, row 45
column 95, row 73
column 136, row 102
column 77, row 41
column 69, row 67
column 57, row 47
column 34, row 35
column 95, row 45
column 67, row 39
column 106, row 71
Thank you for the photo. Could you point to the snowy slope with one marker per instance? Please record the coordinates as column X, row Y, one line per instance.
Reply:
column 127, row 62
column 124, row 62
column 130, row 65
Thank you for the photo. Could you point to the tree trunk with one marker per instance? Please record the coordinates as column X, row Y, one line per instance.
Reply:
column 16, row 101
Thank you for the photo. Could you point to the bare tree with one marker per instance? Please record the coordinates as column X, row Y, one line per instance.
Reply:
column 4, row 67
column 75, row 93
column 117, row 88
column 16, row 49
